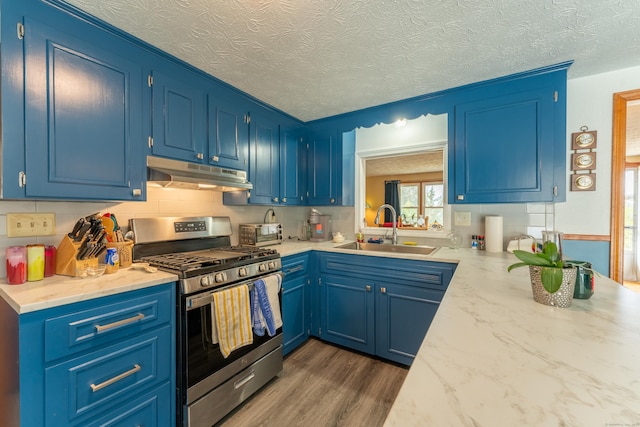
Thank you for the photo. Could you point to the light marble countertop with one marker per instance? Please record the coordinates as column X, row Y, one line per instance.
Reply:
column 494, row 357
column 60, row 290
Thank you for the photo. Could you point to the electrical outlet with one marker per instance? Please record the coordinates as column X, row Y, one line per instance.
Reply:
column 31, row 224
column 462, row 219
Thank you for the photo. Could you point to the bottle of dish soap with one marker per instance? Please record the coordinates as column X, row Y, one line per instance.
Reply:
column 360, row 235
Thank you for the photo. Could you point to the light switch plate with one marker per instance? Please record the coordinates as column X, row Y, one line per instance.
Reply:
column 462, row 219
column 31, row 224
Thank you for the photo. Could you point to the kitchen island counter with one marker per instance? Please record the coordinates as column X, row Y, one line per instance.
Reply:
column 495, row 357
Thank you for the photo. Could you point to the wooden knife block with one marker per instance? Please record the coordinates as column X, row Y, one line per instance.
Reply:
column 66, row 262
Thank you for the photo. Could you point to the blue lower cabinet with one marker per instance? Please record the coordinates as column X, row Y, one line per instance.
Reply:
column 296, row 308
column 403, row 316
column 107, row 361
column 294, row 313
column 379, row 305
column 348, row 312
column 106, row 377
column 152, row 409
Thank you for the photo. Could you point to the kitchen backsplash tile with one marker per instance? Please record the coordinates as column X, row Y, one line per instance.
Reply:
column 163, row 202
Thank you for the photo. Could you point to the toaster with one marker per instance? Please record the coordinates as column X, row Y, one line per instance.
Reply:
column 260, row 234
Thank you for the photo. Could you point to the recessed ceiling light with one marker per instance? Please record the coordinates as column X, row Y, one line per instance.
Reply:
column 400, row 123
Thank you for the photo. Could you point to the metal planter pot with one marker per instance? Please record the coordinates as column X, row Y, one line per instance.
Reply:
column 562, row 297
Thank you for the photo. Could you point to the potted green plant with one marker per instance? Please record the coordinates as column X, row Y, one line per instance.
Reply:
column 552, row 282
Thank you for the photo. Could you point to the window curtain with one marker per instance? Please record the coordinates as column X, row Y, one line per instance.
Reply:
column 391, row 197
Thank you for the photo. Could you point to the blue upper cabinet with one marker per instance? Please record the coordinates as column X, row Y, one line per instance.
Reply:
column 331, row 168
column 293, row 152
column 323, row 168
column 179, row 106
column 228, row 131
column 83, row 112
column 509, row 144
column 264, row 159
column 277, row 153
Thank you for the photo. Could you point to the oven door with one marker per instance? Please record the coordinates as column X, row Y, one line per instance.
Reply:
column 206, row 368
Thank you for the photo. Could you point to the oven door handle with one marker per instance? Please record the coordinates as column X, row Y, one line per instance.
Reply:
column 240, row 383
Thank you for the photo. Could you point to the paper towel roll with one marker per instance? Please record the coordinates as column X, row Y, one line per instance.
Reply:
column 493, row 233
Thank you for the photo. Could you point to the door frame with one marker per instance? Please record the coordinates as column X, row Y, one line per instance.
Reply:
column 618, row 163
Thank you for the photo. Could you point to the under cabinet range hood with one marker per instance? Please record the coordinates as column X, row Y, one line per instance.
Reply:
column 171, row 173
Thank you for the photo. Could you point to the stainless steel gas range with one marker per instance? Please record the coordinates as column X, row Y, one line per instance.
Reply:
column 198, row 250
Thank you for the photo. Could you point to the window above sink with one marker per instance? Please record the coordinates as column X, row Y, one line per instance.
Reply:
column 415, row 155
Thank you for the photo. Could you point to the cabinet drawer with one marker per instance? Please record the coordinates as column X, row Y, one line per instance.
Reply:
column 295, row 265
column 152, row 409
column 83, row 330
column 97, row 381
column 429, row 274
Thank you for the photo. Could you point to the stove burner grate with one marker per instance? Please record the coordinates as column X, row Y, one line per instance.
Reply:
column 181, row 262
column 186, row 261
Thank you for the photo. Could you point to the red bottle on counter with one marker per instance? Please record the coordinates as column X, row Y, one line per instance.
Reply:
column 49, row 260
column 16, row 265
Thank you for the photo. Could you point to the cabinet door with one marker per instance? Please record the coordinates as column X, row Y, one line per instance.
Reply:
column 55, row 385
column 179, row 125
column 348, row 312
column 403, row 316
column 264, row 160
column 296, row 310
column 107, row 378
column 504, row 149
column 228, row 133
column 292, row 170
column 322, row 178
column 83, row 114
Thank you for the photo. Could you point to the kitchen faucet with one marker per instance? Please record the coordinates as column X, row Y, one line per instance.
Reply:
column 394, row 236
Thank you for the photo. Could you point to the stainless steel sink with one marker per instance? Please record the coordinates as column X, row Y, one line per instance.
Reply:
column 381, row 247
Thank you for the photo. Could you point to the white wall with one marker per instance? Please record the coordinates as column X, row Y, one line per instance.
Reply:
column 590, row 103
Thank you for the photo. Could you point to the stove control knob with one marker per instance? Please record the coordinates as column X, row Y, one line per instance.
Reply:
column 220, row 277
column 242, row 272
column 262, row 267
column 204, row 281
column 272, row 265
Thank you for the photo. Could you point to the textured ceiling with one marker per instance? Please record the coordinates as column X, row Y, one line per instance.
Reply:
column 317, row 58
column 431, row 161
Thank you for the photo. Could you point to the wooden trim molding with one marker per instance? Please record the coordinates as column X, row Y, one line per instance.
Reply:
column 618, row 153
column 588, row 237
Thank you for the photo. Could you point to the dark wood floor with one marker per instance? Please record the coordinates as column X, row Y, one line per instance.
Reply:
column 322, row 385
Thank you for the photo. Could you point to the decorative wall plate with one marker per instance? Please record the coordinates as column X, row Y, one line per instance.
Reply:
column 584, row 139
column 583, row 161
column 583, row 182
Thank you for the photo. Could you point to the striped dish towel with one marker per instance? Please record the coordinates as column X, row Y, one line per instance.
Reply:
column 232, row 315
column 265, row 305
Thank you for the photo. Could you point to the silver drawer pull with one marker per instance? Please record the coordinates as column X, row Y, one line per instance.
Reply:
column 115, row 379
column 294, row 269
column 243, row 381
column 102, row 328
